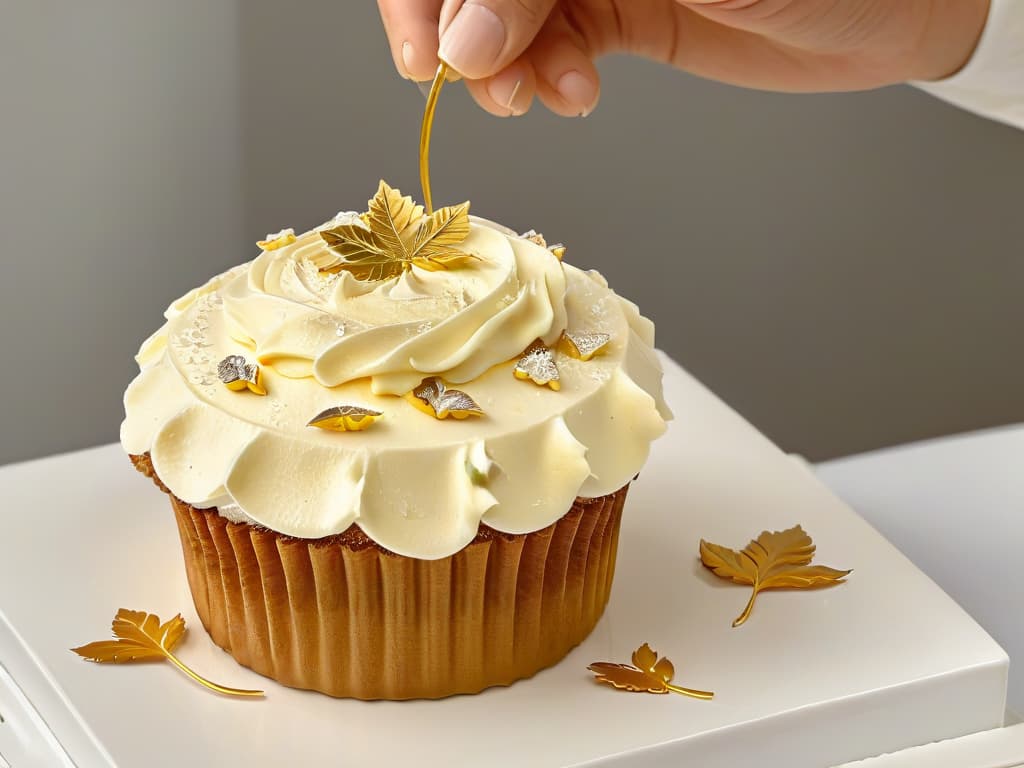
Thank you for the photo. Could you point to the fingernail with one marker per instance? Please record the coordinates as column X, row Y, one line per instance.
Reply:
column 504, row 89
column 407, row 55
column 578, row 91
column 473, row 41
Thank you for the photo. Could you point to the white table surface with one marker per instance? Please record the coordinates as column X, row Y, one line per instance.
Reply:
column 955, row 507
column 845, row 672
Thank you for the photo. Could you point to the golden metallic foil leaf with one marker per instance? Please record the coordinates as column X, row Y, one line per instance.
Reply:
column 538, row 365
column 435, row 399
column 345, row 418
column 141, row 636
column 390, row 216
column 583, row 346
column 649, row 674
column 238, row 375
column 433, row 247
column 277, row 240
column 397, row 236
column 777, row 559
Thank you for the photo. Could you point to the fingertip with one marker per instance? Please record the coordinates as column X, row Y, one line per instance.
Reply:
column 510, row 93
column 418, row 60
column 568, row 81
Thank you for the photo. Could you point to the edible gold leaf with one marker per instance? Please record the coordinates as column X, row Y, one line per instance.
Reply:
column 435, row 399
column 777, row 559
column 535, row 237
column 345, row 418
column 141, row 636
column 583, row 346
column 390, row 216
column 277, row 240
column 538, row 365
column 437, row 235
column 649, row 674
column 238, row 374
column 398, row 236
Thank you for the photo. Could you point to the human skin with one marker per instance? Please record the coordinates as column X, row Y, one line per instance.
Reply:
column 510, row 51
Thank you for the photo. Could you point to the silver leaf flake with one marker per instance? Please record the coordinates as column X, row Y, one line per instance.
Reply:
column 236, row 368
column 538, row 365
column 446, row 402
column 584, row 346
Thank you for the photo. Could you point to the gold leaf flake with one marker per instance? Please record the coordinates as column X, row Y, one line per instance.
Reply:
column 535, row 237
column 277, row 240
column 345, row 418
column 538, row 365
column 141, row 636
column 558, row 250
column 777, row 559
column 647, row 675
column 583, row 346
column 390, row 216
column 435, row 399
column 437, row 235
column 238, row 375
column 397, row 236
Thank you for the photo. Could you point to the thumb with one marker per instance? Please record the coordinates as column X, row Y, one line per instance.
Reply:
column 485, row 36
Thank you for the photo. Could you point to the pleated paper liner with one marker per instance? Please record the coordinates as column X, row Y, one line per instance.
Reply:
column 345, row 617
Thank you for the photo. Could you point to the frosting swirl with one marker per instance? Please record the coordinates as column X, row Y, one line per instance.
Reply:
column 454, row 324
column 416, row 485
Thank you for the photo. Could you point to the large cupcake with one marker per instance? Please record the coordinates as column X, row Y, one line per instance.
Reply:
column 400, row 438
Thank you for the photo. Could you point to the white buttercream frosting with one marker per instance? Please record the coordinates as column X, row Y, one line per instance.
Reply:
column 416, row 485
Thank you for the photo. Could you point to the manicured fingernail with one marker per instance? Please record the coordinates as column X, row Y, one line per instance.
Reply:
column 504, row 89
column 407, row 55
column 578, row 91
column 473, row 41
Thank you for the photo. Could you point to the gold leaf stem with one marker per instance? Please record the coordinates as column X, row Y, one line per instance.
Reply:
column 750, row 606
column 428, row 124
column 691, row 692
column 209, row 683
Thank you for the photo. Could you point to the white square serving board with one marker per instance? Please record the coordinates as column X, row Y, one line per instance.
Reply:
column 879, row 664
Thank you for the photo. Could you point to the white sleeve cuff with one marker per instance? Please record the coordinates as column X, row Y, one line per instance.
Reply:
column 992, row 82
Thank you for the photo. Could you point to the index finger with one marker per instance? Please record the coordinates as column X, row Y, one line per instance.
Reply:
column 411, row 27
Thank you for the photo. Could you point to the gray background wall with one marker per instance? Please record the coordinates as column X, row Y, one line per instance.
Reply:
column 845, row 270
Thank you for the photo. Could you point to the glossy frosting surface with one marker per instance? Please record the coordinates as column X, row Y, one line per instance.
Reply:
column 418, row 486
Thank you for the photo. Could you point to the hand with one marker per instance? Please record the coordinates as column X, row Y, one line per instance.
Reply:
column 511, row 50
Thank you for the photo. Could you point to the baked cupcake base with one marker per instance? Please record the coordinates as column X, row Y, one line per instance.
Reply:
column 345, row 617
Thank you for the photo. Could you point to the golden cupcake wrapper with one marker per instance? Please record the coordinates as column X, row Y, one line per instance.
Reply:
column 345, row 617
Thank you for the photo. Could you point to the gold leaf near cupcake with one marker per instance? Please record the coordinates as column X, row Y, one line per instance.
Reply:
column 238, row 375
column 538, row 365
column 777, row 559
column 141, row 636
column 648, row 675
column 397, row 236
column 277, row 240
column 435, row 399
column 344, row 418
column 583, row 346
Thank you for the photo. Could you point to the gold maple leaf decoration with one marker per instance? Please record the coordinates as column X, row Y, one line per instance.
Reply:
column 649, row 674
column 775, row 560
column 140, row 637
column 397, row 236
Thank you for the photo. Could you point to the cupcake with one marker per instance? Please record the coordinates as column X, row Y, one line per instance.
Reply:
column 397, row 448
